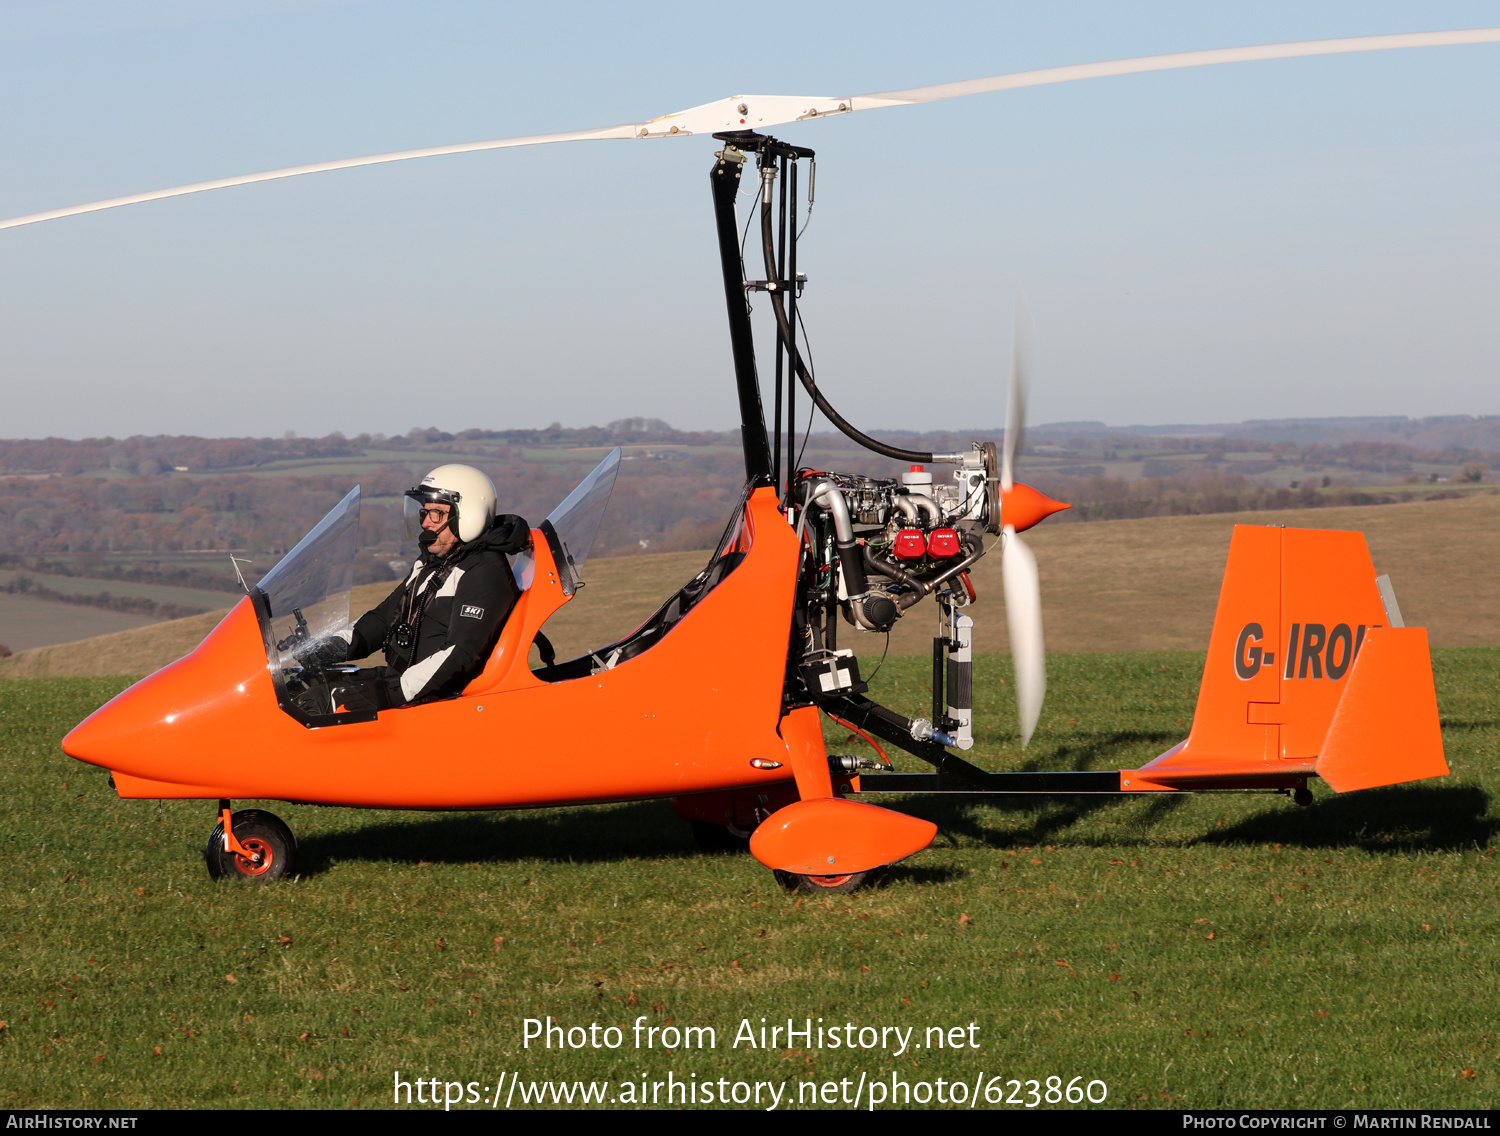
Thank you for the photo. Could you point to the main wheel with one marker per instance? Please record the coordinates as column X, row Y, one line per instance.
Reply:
column 272, row 847
column 844, row 884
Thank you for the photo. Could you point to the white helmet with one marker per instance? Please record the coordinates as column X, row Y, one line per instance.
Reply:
column 469, row 493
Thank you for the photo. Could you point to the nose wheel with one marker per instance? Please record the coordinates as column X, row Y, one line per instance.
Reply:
column 815, row 885
column 250, row 845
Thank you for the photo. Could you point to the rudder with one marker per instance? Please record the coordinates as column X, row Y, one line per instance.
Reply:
column 1288, row 659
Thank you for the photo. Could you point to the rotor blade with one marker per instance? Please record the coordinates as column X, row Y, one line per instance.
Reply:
column 629, row 131
column 738, row 112
column 1175, row 62
column 747, row 112
column 1015, row 413
column 1023, row 612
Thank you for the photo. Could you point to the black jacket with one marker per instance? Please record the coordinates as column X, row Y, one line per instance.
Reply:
column 455, row 607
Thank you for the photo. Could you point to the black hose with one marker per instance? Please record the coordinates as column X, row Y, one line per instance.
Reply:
column 784, row 330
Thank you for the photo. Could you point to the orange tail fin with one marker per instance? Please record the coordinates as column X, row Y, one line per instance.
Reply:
column 1305, row 676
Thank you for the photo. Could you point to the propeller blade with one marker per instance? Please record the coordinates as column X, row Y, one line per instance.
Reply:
column 747, row 112
column 1023, row 612
column 1015, row 413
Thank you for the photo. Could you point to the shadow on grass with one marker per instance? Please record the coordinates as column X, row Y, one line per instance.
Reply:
column 957, row 817
column 1099, row 751
column 1402, row 818
column 1049, row 816
column 902, row 874
column 647, row 829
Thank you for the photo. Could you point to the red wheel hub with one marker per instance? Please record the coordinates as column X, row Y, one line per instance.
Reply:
column 829, row 881
column 256, row 847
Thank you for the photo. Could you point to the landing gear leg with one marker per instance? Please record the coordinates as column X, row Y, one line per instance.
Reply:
column 250, row 845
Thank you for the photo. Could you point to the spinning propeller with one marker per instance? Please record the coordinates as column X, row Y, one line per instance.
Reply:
column 751, row 112
column 1021, row 507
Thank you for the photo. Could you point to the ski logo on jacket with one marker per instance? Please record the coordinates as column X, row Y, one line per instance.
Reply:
column 471, row 611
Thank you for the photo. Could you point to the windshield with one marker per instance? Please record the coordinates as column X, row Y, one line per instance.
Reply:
column 307, row 593
column 574, row 524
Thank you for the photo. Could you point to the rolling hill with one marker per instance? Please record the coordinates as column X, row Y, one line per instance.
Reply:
column 1108, row 586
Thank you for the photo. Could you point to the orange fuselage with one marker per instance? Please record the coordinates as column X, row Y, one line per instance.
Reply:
column 688, row 715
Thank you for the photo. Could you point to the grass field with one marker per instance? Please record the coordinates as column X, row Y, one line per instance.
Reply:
column 1216, row 951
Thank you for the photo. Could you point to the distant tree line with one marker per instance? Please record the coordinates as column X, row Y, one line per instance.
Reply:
column 135, row 605
column 92, row 526
column 143, row 525
column 149, row 456
column 1100, row 498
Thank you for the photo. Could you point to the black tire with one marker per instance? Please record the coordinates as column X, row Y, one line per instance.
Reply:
column 824, row 885
column 719, row 837
column 1303, row 797
column 263, row 833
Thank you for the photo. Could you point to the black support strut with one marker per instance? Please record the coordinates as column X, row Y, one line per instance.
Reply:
column 954, row 774
column 996, row 784
column 725, row 179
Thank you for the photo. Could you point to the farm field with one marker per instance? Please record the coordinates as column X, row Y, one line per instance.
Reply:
column 88, row 585
column 26, row 622
column 1187, row 952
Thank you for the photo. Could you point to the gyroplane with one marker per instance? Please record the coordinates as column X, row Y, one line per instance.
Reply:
column 716, row 700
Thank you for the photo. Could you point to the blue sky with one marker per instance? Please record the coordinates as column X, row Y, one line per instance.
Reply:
column 1309, row 237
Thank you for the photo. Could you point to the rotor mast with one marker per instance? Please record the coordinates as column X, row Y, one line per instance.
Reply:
column 725, row 180
column 783, row 284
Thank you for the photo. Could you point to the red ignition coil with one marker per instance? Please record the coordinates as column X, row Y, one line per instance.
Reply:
column 910, row 545
column 943, row 543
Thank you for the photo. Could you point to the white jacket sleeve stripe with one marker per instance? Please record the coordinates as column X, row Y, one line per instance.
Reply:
column 450, row 585
column 415, row 678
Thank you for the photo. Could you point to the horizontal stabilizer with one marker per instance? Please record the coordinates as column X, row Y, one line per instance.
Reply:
column 1385, row 730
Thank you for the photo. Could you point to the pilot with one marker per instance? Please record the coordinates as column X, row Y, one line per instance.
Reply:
column 439, row 626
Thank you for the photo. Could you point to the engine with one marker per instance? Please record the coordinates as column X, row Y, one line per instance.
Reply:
column 873, row 548
column 877, row 546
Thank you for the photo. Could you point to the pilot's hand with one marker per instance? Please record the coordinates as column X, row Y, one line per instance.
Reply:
column 323, row 653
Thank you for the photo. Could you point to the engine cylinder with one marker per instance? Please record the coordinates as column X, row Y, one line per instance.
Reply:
column 910, row 544
column 943, row 543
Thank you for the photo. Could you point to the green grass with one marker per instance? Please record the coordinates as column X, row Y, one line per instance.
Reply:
column 1212, row 951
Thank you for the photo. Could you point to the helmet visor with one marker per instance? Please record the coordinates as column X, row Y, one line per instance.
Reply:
column 411, row 517
column 423, row 501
